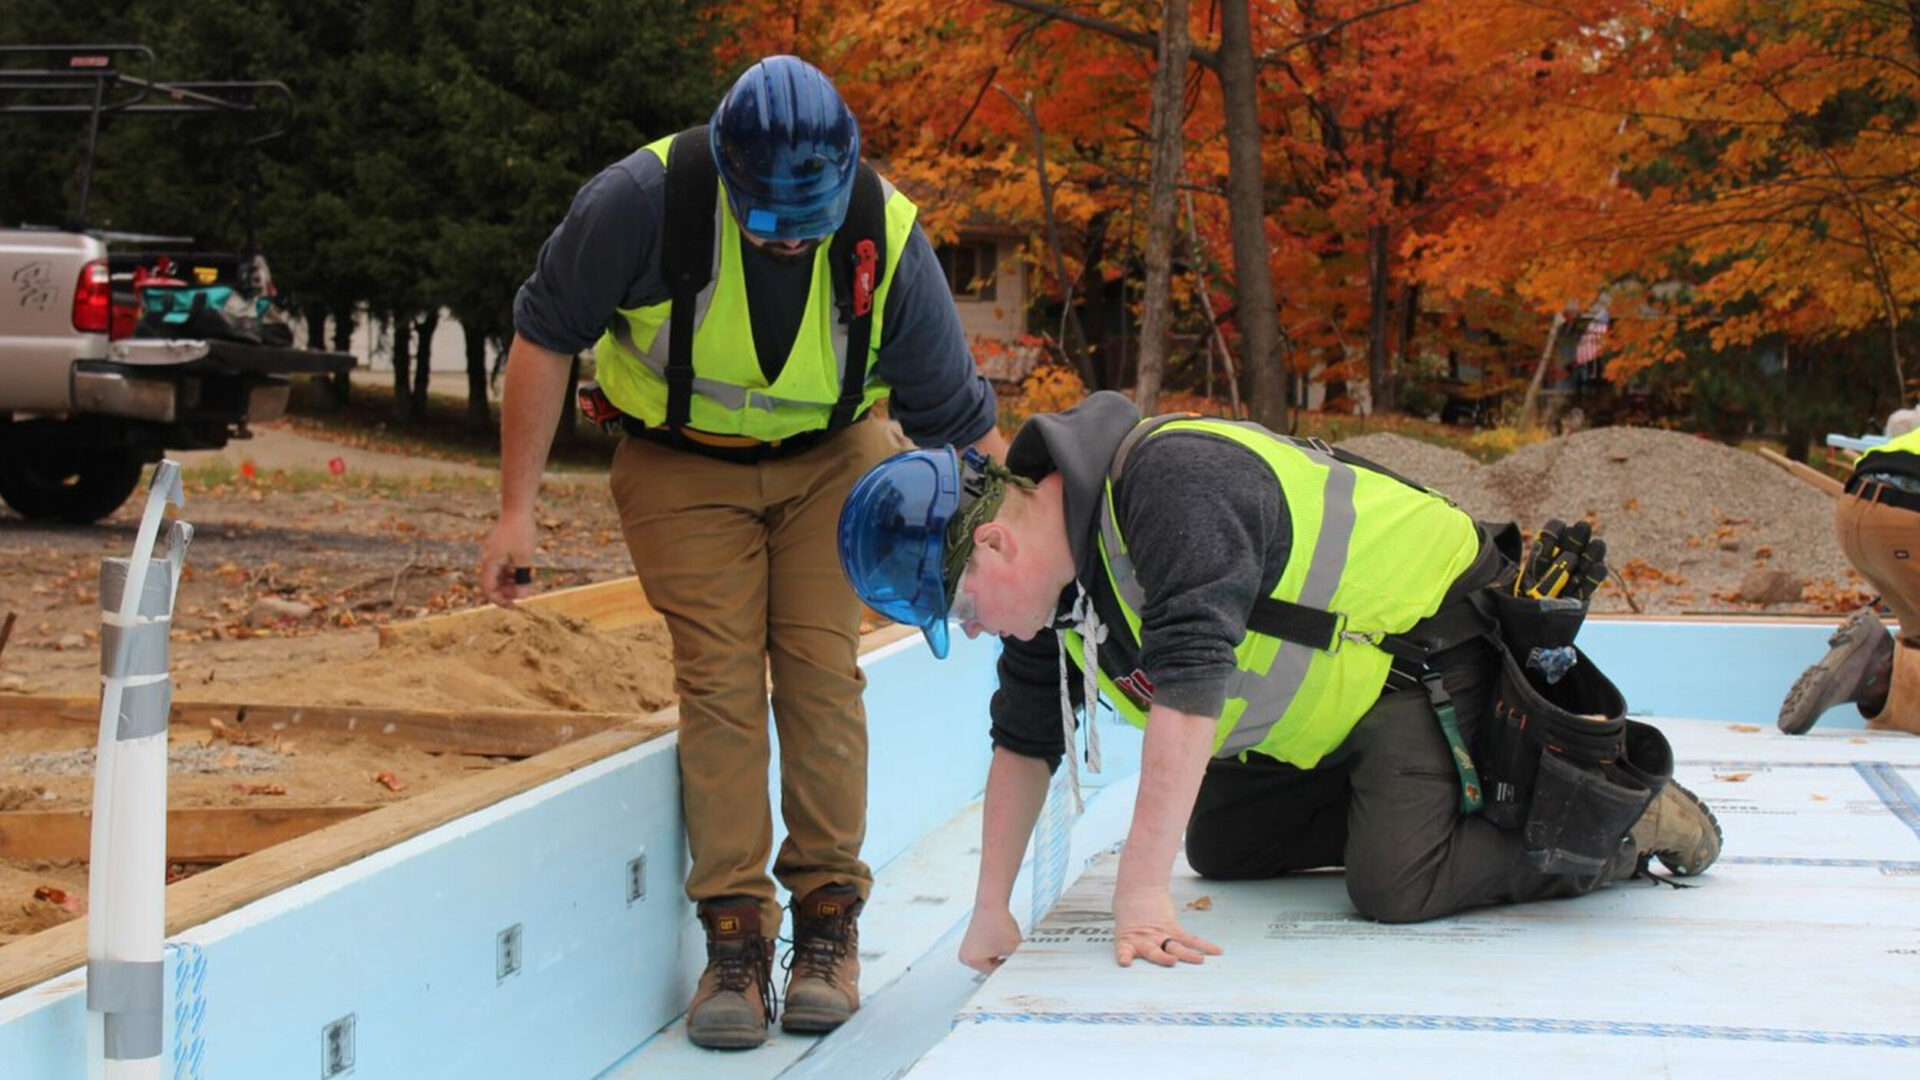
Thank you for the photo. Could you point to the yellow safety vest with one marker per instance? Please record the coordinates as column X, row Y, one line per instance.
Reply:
column 1908, row 443
column 731, row 395
column 1370, row 549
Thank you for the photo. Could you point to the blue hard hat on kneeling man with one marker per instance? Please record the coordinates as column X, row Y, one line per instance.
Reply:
column 893, row 539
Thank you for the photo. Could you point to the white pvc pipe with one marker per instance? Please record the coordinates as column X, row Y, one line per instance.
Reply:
column 126, row 923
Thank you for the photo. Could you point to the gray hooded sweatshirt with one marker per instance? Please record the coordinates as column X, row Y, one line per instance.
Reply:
column 1209, row 535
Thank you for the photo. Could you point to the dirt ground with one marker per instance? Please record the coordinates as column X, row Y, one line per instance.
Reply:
column 293, row 568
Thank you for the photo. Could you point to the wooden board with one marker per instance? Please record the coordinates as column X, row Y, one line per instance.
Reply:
column 1805, row 472
column 207, row 896
column 608, row 605
column 515, row 733
column 208, row 834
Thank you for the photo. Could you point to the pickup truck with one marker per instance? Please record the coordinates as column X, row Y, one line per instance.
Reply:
column 108, row 360
column 86, row 402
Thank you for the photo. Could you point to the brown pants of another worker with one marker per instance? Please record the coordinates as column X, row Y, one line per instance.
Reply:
column 1883, row 543
column 741, row 559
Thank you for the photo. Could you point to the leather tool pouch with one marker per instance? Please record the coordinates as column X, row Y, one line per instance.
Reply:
column 1558, row 758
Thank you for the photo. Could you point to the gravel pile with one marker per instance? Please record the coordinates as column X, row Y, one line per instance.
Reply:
column 1687, row 519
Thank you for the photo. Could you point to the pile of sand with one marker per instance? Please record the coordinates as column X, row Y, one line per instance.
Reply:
column 1698, row 516
column 519, row 659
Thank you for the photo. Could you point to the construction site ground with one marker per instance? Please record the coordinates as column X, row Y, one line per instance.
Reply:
column 304, row 548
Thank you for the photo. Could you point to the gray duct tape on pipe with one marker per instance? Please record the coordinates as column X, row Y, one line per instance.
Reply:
column 131, row 994
column 156, row 593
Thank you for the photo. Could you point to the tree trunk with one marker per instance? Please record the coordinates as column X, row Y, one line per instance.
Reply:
column 402, row 363
column 1081, row 357
column 1163, row 200
column 1527, row 419
column 1246, row 196
column 341, row 382
column 479, row 415
column 1379, row 355
column 422, row 365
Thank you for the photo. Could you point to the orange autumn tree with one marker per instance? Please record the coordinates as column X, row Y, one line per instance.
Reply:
column 1430, row 168
column 1365, row 109
column 1729, row 172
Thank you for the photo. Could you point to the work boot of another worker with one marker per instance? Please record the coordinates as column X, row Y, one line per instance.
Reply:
column 1679, row 830
column 823, row 985
column 732, row 1004
column 1858, row 668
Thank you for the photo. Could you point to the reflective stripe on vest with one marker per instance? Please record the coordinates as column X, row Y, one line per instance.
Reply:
column 731, row 395
column 1287, row 700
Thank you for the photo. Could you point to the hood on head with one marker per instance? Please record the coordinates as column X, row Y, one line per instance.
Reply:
column 1079, row 445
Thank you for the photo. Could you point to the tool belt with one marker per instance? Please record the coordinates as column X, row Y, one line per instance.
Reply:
column 1893, row 489
column 1558, row 759
column 739, row 449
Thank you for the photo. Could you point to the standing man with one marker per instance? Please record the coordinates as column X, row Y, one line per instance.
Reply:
column 1878, row 518
column 750, row 290
column 1294, row 631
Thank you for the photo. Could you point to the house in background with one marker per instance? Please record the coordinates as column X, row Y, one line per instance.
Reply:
column 990, row 290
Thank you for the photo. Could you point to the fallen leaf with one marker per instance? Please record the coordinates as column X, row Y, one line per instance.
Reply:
column 1732, row 777
column 260, row 789
column 57, row 897
column 232, row 735
column 386, row 778
column 1744, row 727
column 1817, row 797
column 1200, row 903
column 228, row 760
column 1858, row 741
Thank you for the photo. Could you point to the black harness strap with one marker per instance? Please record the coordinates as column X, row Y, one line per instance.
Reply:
column 692, row 186
column 858, row 260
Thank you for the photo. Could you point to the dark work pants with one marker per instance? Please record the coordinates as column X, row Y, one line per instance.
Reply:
column 1385, row 805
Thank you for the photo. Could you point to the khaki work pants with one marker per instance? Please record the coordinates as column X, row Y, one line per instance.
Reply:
column 1883, row 543
column 742, row 560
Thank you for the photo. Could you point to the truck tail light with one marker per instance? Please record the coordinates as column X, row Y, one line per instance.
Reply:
column 93, row 299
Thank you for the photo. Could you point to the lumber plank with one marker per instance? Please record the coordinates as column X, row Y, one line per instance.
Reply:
column 515, row 733
column 1805, row 472
column 202, row 897
column 205, row 834
column 607, row 605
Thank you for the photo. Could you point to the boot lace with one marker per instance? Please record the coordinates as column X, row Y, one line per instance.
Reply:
column 817, row 947
column 739, row 969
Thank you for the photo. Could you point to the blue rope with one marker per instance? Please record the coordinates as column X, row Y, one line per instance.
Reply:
column 1417, row 1022
column 189, row 1009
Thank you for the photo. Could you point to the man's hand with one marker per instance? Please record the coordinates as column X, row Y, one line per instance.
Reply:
column 1144, row 926
column 992, row 936
column 508, row 547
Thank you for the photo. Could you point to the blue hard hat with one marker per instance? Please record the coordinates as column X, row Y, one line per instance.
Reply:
column 893, row 538
column 787, row 149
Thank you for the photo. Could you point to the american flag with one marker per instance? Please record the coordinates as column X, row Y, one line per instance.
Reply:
column 1594, row 341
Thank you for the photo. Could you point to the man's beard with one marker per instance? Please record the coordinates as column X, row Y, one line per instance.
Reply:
column 804, row 255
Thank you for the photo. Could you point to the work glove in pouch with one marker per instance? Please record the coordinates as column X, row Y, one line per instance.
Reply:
column 1558, row 758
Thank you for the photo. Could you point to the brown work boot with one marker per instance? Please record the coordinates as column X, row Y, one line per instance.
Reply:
column 1858, row 668
column 734, row 1000
column 823, row 987
column 1680, row 830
